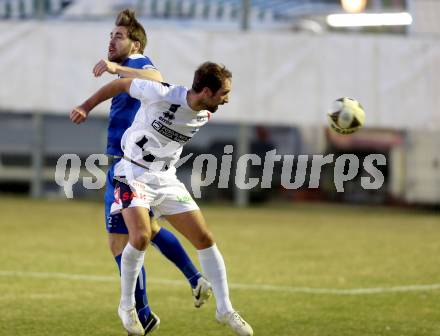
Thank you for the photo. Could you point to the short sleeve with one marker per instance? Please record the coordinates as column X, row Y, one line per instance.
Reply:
column 146, row 90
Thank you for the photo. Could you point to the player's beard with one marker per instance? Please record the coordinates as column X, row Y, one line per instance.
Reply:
column 119, row 56
column 212, row 108
column 207, row 105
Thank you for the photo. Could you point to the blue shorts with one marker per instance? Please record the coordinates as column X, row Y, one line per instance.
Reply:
column 113, row 223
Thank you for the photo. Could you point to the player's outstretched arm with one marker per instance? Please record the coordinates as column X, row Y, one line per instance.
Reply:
column 126, row 72
column 79, row 114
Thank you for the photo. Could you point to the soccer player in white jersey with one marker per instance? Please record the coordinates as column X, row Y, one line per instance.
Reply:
column 125, row 59
column 168, row 118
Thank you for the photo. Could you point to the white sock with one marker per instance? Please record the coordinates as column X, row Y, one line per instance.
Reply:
column 131, row 264
column 214, row 269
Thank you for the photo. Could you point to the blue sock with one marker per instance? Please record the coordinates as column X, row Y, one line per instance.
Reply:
column 171, row 248
column 140, row 294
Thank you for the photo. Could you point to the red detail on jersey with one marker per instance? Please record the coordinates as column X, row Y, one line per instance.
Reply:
column 209, row 115
column 129, row 196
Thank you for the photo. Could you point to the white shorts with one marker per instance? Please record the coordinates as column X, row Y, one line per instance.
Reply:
column 170, row 197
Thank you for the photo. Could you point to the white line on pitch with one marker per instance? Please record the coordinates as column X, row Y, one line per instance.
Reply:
column 257, row 287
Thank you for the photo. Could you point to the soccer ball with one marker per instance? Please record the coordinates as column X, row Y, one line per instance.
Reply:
column 346, row 116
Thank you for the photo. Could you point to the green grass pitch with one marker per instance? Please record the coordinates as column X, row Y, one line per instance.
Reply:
column 288, row 267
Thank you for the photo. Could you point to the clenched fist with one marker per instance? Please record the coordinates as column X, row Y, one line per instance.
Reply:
column 104, row 66
column 78, row 115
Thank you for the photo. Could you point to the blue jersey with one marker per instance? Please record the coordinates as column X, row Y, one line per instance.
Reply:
column 124, row 108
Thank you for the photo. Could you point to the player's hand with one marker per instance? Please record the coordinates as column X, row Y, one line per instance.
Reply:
column 104, row 66
column 78, row 115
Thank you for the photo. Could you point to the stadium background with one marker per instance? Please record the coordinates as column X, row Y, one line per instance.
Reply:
column 305, row 261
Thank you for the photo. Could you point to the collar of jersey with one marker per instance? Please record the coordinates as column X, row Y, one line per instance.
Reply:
column 136, row 56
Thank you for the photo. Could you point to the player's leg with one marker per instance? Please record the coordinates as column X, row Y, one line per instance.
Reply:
column 138, row 223
column 193, row 226
column 117, row 240
column 168, row 244
column 148, row 319
column 165, row 241
column 134, row 205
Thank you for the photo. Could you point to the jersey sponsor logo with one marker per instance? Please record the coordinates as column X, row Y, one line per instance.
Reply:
column 184, row 199
column 168, row 115
column 171, row 110
column 128, row 196
column 166, row 121
column 169, row 133
column 123, row 194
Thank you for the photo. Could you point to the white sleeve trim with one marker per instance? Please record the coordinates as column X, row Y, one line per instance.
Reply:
column 136, row 56
column 149, row 67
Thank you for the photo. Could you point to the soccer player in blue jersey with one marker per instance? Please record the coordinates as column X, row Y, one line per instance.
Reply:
column 125, row 58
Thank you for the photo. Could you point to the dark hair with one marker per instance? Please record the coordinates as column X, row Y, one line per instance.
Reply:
column 127, row 18
column 210, row 75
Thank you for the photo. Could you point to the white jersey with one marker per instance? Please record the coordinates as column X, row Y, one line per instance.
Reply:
column 162, row 125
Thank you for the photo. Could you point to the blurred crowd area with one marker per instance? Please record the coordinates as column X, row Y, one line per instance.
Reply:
column 267, row 14
column 410, row 175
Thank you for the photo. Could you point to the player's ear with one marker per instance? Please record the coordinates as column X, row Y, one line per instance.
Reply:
column 207, row 91
column 137, row 46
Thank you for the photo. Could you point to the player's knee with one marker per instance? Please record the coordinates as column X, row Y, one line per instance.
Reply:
column 205, row 240
column 141, row 239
